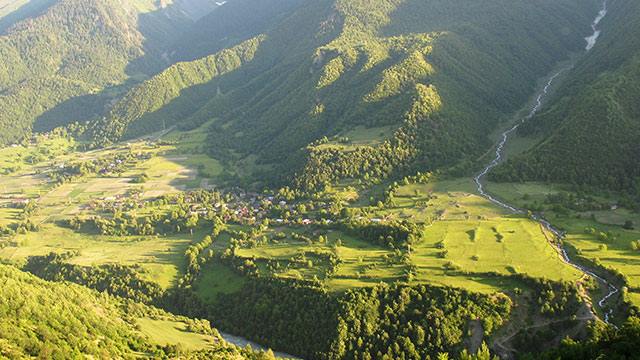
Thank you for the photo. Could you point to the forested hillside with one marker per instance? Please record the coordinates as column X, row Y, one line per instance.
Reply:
column 39, row 319
column 65, row 62
column 12, row 11
column 299, row 174
column 590, row 132
column 429, row 89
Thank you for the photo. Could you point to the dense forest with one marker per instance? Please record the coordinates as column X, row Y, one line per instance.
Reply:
column 386, row 322
column 70, row 61
column 40, row 319
column 605, row 343
column 349, row 64
column 590, row 130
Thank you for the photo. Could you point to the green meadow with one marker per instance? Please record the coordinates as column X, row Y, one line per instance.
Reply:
column 614, row 250
column 173, row 332
column 467, row 242
column 160, row 257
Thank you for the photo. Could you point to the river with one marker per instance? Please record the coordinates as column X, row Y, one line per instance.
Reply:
column 591, row 42
column 499, row 155
column 242, row 342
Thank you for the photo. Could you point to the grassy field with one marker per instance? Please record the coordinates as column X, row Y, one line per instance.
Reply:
column 170, row 332
column 162, row 258
column 465, row 238
column 360, row 136
column 584, row 228
column 167, row 171
column 217, row 279
column 472, row 235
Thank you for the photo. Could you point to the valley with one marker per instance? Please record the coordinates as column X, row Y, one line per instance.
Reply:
column 331, row 179
column 613, row 290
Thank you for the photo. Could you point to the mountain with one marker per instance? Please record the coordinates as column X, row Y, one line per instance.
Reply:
column 65, row 62
column 424, row 82
column 589, row 134
column 13, row 11
column 299, row 174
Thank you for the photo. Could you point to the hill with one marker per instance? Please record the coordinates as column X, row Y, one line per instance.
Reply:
column 65, row 62
column 588, row 135
column 429, row 90
column 59, row 320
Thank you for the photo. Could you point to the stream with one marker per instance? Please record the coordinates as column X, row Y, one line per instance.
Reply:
column 499, row 155
column 591, row 42
column 242, row 342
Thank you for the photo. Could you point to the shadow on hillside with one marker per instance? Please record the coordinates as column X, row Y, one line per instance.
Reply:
column 30, row 9
column 220, row 28
column 160, row 32
column 81, row 108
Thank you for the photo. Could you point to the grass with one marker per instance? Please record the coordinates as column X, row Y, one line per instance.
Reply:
column 446, row 200
column 217, row 279
column 162, row 258
column 361, row 135
column 615, row 252
column 170, row 332
column 503, row 245
column 18, row 157
column 478, row 237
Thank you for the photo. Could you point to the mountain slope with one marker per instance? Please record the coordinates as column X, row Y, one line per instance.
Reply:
column 432, row 77
column 50, row 320
column 13, row 11
column 590, row 132
column 53, row 320
column 56, row 66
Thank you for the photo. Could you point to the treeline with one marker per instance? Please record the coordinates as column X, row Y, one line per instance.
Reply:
column 394, row 234
column 591, row 128
column 198, row 254
column 112, row 165
column 386, row 322
column 118, row 280
column 173, row 214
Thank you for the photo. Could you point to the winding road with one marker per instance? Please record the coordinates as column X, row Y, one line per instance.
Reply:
column 612, row 289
